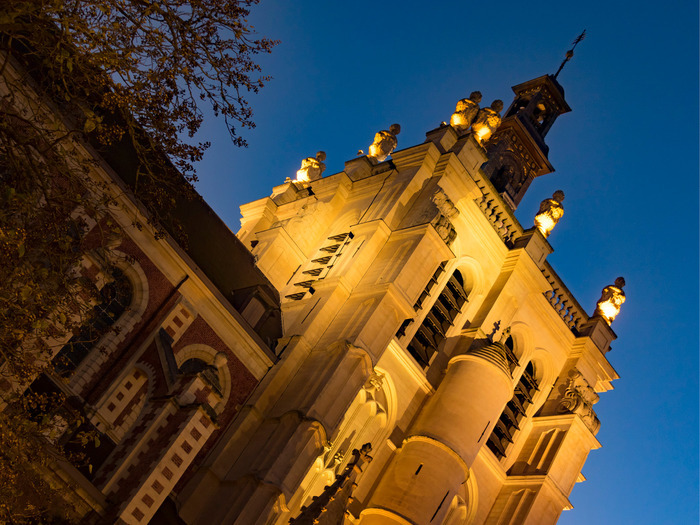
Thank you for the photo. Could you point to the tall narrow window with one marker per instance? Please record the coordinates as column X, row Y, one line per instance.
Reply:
column 115, row 298
column 513, row 362
column 514, row 412
column 438, row 320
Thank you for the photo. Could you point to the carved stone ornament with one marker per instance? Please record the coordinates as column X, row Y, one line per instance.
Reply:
column 311, row 168
column 336, row 460
column 467, row 109
column 444, row 228
column 444, row 204
column 611, row 299
column 330, row 507
column 487, row 121
column 510, row 164
column 549, row 214
column 579, row 399
column 374, row 382
column 384, row 143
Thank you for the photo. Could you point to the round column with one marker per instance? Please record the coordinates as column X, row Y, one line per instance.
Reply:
column 435, row 457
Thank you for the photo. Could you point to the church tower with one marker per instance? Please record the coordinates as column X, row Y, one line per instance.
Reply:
column 517, row 152
column 421, row 318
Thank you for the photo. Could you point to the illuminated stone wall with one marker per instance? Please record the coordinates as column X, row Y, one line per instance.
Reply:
column 375, row 350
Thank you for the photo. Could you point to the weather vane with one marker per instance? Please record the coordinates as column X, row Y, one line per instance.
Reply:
column 570, row 52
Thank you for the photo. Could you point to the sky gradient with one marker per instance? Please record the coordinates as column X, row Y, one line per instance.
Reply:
column 626, row 157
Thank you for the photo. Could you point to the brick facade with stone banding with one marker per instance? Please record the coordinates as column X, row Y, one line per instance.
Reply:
column 181, row 351
column 157, row 418
column 160, row 419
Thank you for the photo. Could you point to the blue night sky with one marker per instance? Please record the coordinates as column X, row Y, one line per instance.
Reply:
column 626, row 157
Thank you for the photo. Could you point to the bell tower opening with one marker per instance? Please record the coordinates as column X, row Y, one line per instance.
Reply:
column 517, row 151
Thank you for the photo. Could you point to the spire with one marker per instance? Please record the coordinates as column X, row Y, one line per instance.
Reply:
column 517, row 151
column 570, row 53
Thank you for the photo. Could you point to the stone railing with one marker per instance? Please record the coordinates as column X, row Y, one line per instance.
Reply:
column 497, row 211
column 563, row 301
column 501, row 217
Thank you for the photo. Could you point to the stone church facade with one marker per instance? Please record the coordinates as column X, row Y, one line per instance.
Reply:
column 386, row 344
column 420, row 318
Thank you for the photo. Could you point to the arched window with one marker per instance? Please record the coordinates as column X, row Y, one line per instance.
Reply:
column 115, row 298
column 439, row 319
column 514, row 412
column 209, row 372
column 513, row 362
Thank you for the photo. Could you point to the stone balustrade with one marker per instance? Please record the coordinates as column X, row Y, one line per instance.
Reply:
column 500, row 217
column 563, row 301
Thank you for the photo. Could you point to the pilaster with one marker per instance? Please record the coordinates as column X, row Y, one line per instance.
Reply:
column 537, row 486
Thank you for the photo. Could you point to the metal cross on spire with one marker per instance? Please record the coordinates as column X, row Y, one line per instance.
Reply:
column 570, row 52
column 496, row 328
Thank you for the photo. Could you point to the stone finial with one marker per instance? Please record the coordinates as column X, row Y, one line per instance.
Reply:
column 550, row 212
column 505, row 335
column 611, row 299
column 487, row 121
column 384, row 143
column 311, row 168
column 220, row 359
column 466, row 111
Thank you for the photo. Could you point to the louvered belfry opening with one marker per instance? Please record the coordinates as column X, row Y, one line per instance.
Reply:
column 514, row 412
column 440, row 317
column 320, row 265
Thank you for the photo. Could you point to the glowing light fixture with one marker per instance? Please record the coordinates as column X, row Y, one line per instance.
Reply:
column 302, row 175
column 481, row 131
column 550, row 212
column 611, row 299
column 311, row 168
column 545, row 223
column 385, row 142
column 487, row 121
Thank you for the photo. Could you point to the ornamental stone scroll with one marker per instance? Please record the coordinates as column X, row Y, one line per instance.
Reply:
column 579, row 399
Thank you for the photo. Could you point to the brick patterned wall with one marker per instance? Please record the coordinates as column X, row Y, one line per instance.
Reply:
column 159, row 289
column 242, row 383
column 172, row 462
